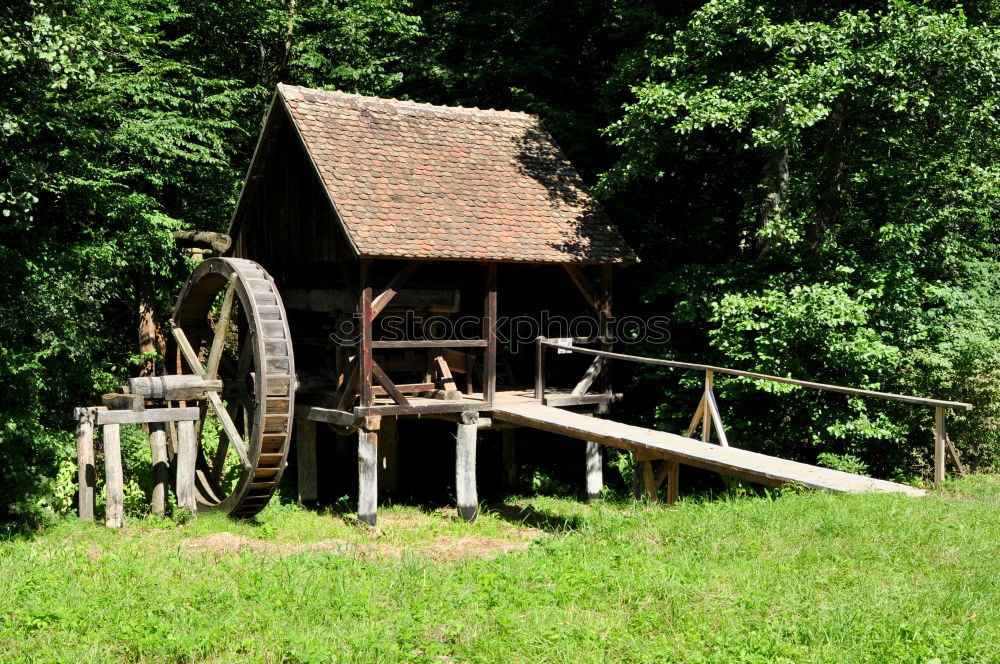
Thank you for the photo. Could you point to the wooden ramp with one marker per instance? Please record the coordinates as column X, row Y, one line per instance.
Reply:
column 743, row 464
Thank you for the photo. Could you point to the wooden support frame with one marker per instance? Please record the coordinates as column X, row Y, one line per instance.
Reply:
column 467, row 495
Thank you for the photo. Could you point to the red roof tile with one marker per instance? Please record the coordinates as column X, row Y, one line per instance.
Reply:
column 421, row 181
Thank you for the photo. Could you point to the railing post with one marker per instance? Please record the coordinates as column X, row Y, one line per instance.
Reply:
column 706, row 423
column 540, row 369
column 939, row 435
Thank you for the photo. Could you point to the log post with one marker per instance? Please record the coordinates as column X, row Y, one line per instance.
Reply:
column 939, row 436
column 186, row 454
column 388, row 455
column 509, row 454
column 114, row 489
column 465, row 466
column 158, row 454
column 367, row 475
column 595, row 469
column 305, row 450
column 86, row 473
column 673, row 476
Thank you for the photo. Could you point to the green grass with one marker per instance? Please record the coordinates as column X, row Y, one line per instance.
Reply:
column 798, row 578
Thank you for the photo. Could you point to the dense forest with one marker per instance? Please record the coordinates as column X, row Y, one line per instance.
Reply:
column 812, row 187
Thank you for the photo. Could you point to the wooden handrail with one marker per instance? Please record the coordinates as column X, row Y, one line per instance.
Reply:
column 759, row 376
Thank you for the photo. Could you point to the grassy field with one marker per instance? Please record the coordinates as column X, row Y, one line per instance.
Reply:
column 794, row 578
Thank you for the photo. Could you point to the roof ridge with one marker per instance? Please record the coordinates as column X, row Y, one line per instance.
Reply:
column 301, row 93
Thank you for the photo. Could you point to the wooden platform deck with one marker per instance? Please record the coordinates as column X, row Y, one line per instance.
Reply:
column 523, row 410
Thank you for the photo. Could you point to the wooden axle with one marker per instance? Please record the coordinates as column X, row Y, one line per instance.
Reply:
column 172, row 388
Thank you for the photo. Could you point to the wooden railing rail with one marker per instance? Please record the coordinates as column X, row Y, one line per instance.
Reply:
column 707, row 412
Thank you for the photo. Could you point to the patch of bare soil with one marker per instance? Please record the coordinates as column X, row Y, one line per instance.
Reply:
column 441, row 549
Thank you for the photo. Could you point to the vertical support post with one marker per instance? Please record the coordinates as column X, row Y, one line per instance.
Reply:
column 606, row 326
column 509, row 453
column 305, row 452
column 187, row 453
column 368, row 473
column 388, row 455
column 595, row 469
column 465, row 466
column 490, row 331
column 540, row 369
column 114, row 490
column 365, row 364
column 86, row 473
column 158, row 454
column 939, row 435
column 673, row 476
column 706, row 421
column 649, row 482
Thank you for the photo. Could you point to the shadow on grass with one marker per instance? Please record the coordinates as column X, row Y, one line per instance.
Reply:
column 528, row 515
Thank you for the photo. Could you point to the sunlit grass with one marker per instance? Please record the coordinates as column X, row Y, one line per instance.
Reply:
column 796, row 578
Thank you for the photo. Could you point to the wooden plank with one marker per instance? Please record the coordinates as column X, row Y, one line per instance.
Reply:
column 388, row 385
column 391, row 290
column 114, row 481
column 465, row 470
column 187, row 453
column 939, row 435
column 305, row 451
column 421, row 409
column 336, row 416
column 367, row 476
column 86, row 472
column 119, row 401
column 698, row 415
column 431, row 343
column 922, row 401
column 105, row 417
column 744, row 464
column 594, row 464
column 161, row 472
column 490, row 332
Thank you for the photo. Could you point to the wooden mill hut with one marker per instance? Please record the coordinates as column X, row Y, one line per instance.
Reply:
column 399, row 234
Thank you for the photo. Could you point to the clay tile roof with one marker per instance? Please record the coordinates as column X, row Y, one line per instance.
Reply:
column 421, row 181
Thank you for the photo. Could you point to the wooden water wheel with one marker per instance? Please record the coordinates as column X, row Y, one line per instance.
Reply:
column 229, row 324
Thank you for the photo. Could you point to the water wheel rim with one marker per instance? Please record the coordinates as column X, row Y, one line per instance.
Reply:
column 268, row 441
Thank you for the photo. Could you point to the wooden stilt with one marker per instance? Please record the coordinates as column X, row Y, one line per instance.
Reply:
column 86, row 473
column 305, row 449
column 187, row 452
column 465, row 466
column 114, row 490
column 161, row 473
column 673, row 475
column 649, row 482
column 939, row 446
column 388, row 455
column 509, row 452
column 595, row 469
column 367, row 475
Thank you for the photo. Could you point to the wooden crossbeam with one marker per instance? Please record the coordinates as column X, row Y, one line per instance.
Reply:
column 388, row 385
column 584, row 286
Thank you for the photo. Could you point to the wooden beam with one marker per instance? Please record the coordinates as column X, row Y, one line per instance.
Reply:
column 161, row 472
column 118, row 401
column 388, row 385
column 114, row 486
column 594, row 469
column 367, row 476
column 146, row 416
column 383, row 299
column 328, row 415
column 367, row 318
column 221, row 328
column 939, row 446
column 180, row 387
column 490, row 332
column 465, row 467
column 187, row 453
column 593, row 371
column 86, row 472
column 713, row 407
column 584, row 286
column 187, row 352
column 432, row 343
column 229, row 427
column 421, row 409
column 350, row 388
column 953, row 455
